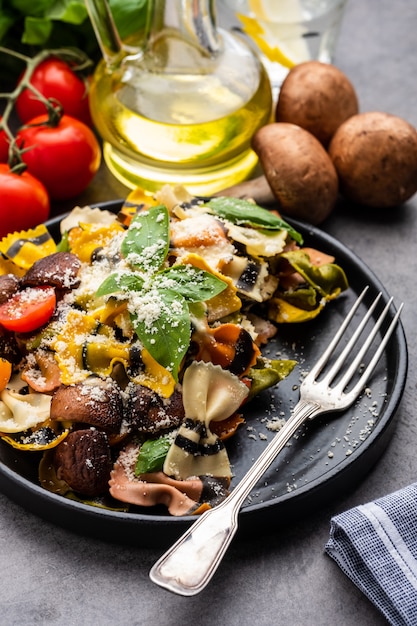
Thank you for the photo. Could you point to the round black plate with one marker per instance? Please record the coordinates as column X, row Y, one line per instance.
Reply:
column 326, row 457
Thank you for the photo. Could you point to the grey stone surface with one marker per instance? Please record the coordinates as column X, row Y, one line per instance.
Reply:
column 53, row 577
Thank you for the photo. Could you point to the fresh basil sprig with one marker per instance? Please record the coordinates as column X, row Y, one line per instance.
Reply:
column 158, row 298
column 245, row 213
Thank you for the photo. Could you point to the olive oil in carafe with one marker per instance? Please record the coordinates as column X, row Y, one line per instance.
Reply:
column 191, row 128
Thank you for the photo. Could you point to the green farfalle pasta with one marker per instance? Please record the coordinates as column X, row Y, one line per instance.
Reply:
column 329, row 279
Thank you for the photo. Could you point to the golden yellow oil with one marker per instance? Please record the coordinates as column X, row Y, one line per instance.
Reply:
column 179, row 128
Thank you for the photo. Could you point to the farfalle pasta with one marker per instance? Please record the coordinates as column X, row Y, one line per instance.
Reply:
column 130, row 346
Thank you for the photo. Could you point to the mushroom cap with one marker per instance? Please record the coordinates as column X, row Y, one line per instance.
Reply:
column 317, row 96
column 147, row 412
column 59, row 270
column 94, row 401
column 83, row 461
column 9, row 348
column 9, row 284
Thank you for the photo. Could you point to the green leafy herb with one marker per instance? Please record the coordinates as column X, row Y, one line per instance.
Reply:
column 193, row 284
column 152, row 455
column 158, row 300
column 27, row 26
column 245, row 213
column 147, row 241
column 162, row 323
column 123, row 281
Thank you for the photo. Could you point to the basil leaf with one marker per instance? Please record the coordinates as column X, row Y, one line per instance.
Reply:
column 37, row 30
column 194, row 284
column 126, row 281
column 162, row 322
column 243, row 212
column 146, row 243
column 129, row 15
column 152, row 455
column 73, row 12
column 27, row 26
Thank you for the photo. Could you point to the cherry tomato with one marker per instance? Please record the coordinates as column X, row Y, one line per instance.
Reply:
column 64, row 158
column 24, row 201
column 55, row 79
column 28, row 310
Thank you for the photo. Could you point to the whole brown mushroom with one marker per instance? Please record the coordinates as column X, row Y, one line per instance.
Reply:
column 375, row 155
column 299, row 171
column 317, row 96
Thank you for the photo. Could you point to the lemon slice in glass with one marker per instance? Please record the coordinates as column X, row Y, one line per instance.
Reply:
column 276, row 26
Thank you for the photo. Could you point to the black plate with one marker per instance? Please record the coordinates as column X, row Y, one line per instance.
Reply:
column 327, row 457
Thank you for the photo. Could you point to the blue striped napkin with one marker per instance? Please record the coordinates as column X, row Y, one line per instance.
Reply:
column 375, row 545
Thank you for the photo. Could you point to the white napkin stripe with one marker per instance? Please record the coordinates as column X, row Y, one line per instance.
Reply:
column 391, row 538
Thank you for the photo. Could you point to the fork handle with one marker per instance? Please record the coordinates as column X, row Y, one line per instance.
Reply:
column 187, row 567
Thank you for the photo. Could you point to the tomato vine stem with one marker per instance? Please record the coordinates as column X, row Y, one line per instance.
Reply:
column 79, row 62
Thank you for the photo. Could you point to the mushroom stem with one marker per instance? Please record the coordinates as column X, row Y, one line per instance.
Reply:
column 257, row 189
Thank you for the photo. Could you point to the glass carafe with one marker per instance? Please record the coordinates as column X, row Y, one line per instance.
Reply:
column 181, row 106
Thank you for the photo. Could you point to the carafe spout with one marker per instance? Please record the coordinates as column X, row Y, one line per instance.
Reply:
column 106, row 32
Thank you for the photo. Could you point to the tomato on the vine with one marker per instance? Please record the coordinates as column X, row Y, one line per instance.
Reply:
column 55, row 79
column 64, row 157
column 28, row 309
column 24, row 201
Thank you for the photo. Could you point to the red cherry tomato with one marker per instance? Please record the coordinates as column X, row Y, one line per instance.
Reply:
column 28, row 310
column 55, row 79
column 24, row 201
column 64, row 158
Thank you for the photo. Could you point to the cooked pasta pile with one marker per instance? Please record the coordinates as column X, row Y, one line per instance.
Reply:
column 130, row 345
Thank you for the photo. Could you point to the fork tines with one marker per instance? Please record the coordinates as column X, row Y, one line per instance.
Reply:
column 355, row 348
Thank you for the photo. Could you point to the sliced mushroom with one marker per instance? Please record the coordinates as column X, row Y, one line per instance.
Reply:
column 147, row 412
column 42, row 372
column 60, row 270
column 9, row 284
column 94, row 401
column 83, row 461
column 9, row 348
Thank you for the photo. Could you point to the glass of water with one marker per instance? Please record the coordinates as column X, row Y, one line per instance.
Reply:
column 286, row 32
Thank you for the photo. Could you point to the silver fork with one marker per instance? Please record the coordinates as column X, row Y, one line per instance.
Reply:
column 188, row 566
